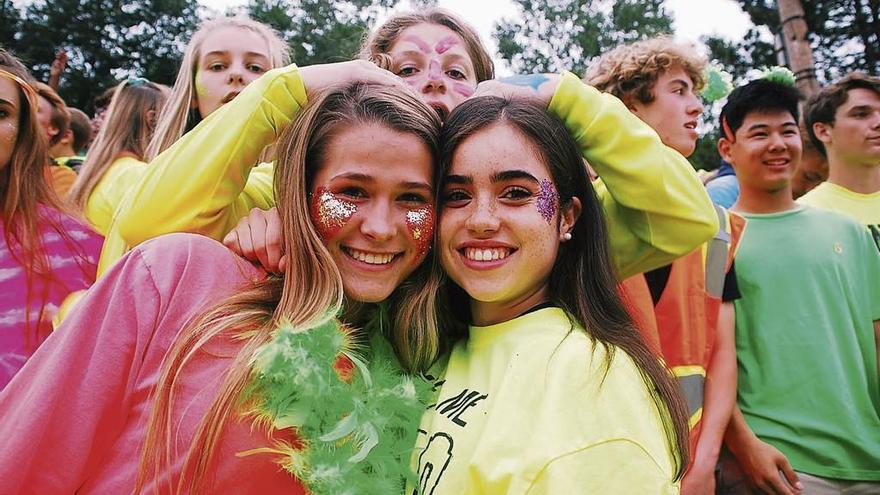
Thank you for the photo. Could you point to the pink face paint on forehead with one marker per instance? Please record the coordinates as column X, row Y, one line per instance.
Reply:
column 330, row 213
column 445, row 44
column 420, row 223
column 420, row 43
column 463, row 89
column 548, row 201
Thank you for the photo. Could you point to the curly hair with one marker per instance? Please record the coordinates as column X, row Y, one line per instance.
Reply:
column 630, row 71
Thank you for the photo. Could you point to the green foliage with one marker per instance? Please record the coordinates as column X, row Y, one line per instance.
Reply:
column 319, row 31
column 844, row 36
column 10, row 20
column 105, row 40
column 566, row 34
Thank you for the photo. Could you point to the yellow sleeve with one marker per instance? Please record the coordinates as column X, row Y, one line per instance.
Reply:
column 655, row 205
column 122, row 176
column 204, row 182
column 616, row 466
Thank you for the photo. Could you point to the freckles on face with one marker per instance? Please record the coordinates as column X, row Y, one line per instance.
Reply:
column 330, row 213
column 548, row 201
column 420, row 224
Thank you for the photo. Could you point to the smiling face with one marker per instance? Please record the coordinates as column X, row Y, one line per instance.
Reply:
column 9, row 111
column 372, row 205
column 675, row 111
column 434, row 60
column 500, row 225
column 766, row 151
column 855, row 135
column 230, row 59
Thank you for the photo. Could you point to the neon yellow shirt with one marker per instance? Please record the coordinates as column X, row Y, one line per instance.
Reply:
column 525, row 407
column 655, row 205
column 206, row 181
column 863, row 207
column 123, row 174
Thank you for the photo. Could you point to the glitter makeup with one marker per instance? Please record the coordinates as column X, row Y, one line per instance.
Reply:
column 548, row 200
column 445, row 44
column 330, row 213
column 421, row 228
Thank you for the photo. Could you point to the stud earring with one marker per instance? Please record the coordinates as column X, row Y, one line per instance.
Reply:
column 566, row 236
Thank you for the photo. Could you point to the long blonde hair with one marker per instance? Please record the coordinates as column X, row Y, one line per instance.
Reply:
column 377, row 45
column 310, row 289
column 178, row 117
column 128, row 126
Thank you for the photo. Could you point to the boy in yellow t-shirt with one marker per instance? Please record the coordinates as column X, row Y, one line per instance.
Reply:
column 843, row 121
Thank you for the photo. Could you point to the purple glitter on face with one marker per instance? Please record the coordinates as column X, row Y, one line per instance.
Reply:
column 548, row 201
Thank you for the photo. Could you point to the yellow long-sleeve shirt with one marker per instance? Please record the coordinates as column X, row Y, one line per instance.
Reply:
column 655, row 206
column 121, row 176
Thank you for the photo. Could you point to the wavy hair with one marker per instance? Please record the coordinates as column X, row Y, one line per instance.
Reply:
column 310, row 288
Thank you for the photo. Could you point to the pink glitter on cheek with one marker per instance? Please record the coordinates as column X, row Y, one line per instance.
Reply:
column 548, row 201
column 463, row 89
column 421, row 228
column 445, row 44
column 330, row 213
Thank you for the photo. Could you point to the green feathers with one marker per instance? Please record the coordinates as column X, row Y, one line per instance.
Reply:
column 779, row 75
column 356, row 435
column 719, row 84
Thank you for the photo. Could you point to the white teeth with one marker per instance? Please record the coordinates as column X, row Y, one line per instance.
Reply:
column 477, row 254
column 371, row 258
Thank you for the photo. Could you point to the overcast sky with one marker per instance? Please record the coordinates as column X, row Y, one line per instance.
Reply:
column 693, row 18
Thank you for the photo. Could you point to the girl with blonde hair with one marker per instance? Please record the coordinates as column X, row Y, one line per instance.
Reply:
column 45, row 253
column 116, row 158
column 178, row 391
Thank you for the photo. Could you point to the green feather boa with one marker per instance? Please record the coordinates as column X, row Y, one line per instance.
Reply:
column 356, row 436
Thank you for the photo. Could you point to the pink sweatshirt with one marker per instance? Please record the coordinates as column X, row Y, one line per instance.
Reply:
column 74, row 419
column 26, row 312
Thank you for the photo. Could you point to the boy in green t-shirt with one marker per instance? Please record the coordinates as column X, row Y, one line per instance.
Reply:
column 808, row 402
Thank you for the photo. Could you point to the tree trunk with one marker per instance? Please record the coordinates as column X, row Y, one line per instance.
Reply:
column 797, row 46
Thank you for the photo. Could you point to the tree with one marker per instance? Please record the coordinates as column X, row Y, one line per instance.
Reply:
column 566, row 34
column 844, row 36
column 10, row 19
column 105, row 40
column 319, row 31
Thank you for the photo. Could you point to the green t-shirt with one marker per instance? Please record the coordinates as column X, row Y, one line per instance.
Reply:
column 808, row 379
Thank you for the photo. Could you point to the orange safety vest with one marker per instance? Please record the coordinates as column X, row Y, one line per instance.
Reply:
column 681, row 327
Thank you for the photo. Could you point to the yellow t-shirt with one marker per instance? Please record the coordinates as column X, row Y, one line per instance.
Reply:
column 121, row 176
column 525, row 407
column 863, row 207
column 655, row 205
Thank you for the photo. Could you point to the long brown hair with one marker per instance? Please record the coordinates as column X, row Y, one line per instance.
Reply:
column 23, row 189
column 377, row 45
column 310, row 289
column 178, row 117
column 128, row 126
column 582, row 281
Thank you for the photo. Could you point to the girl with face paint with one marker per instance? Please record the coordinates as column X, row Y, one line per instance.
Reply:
column 174, row 379
column 551, row 389
column 45, row 253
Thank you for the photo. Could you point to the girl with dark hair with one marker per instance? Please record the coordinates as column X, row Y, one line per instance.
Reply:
column 550, row 388
column 45, row 253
